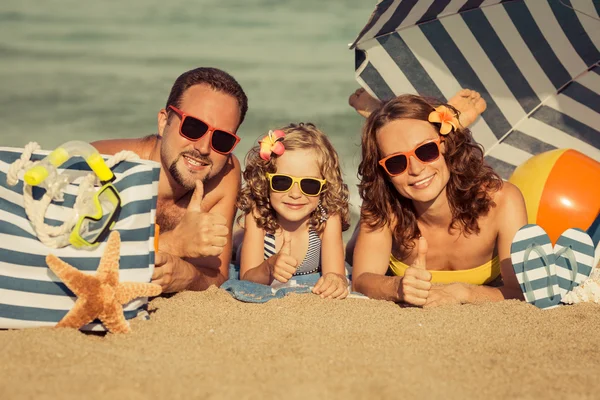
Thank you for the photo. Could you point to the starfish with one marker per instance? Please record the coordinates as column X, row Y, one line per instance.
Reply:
column 101, row 296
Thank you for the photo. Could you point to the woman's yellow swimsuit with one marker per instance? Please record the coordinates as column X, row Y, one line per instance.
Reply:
column 481, row 275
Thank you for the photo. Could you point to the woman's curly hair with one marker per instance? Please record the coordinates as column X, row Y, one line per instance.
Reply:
column 469, row 189
column 254, row 195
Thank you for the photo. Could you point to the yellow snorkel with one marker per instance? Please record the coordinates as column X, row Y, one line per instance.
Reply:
column 37, row 174
column 96, row 210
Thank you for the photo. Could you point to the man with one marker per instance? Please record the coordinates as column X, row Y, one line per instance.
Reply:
column 199, row 178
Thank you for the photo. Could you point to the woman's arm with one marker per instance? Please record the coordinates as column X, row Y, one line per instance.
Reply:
column 371, row 259
column 511, row 215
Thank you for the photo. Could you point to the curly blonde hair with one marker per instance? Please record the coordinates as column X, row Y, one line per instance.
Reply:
column 254, row 196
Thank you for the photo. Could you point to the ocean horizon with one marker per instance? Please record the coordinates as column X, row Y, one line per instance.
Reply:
column 90, row 71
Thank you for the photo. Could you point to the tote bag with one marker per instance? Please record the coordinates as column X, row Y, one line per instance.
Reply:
column 30, row 294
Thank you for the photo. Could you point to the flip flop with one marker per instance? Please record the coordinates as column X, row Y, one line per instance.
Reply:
column 574, row 259
column 594, row 232
column 533, row 260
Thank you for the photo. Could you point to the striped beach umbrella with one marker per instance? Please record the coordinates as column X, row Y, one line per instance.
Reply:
column 535, row 62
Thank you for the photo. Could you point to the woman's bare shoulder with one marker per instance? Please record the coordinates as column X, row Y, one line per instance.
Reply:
column 507, row 193
column 509, row 202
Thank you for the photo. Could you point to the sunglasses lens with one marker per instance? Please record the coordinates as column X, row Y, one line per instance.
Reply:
column 396, row 165
column 193, row 128
column 310, row 187
column 223, row 141
column 281, row 183
column 428, row 152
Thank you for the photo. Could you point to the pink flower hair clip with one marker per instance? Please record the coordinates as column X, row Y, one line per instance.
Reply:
column 445, row 116
column 272, row 144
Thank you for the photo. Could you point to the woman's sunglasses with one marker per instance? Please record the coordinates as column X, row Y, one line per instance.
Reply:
column 281, row 183
column 395, row 164
column 193, row 129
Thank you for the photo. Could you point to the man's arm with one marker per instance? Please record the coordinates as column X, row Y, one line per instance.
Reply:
column 174, row 274
column 183, row 268
column 215, row 270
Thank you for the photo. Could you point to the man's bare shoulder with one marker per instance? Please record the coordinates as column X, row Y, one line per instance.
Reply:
column 234, row 173
column 226, row 184
column 230, row 176
column 141, row 146
column 237, row 168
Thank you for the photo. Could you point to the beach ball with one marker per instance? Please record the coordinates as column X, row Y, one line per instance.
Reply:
column 561, row 190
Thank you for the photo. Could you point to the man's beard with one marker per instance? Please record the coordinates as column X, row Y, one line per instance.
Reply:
column 179, row 178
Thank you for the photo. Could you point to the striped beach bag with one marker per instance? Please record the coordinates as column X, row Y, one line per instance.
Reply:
column 30, row 294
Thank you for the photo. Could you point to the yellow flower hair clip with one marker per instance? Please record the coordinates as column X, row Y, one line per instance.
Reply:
column 445, row 116
column 271, row 143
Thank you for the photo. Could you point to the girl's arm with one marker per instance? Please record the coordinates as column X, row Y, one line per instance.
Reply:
column 253, row 266
column 332, row 247
column 333, row 282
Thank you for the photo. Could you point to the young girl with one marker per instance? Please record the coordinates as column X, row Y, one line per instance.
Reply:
column 295, row 207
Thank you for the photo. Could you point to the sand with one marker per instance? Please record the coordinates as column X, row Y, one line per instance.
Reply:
column 208, row 345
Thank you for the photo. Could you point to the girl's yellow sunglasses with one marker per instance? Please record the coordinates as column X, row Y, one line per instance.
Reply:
column 282, row 183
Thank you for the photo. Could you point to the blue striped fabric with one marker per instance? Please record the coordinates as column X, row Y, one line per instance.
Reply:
column 30, row 294
column 533, row 260
column 312, row 260
column 535, row 62
column 574, row 252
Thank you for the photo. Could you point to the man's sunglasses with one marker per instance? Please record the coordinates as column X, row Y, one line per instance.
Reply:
column 193, row 128
column 395, row 164
column 281, row 183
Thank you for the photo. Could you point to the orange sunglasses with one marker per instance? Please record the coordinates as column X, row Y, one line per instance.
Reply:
column 193, row 128
column 397, row 163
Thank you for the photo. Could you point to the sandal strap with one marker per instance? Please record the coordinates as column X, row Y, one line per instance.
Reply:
column 528, row 288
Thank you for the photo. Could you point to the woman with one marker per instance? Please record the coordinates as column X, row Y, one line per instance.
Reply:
column 423, row 176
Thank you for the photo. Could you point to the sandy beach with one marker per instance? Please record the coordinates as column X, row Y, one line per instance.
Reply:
column 209, row 345
column 102, row 70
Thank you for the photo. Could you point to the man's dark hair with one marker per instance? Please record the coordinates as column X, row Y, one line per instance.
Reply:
column 217, row 79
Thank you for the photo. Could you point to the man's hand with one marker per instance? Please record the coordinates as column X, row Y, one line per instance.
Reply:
column 200, row 233
column 282, row 265
column 332, row 286
column 416, row 282
column 172, row 273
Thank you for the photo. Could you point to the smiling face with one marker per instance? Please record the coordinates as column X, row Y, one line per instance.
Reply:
column 421, row 182
column 294, row 206
column 188, row 161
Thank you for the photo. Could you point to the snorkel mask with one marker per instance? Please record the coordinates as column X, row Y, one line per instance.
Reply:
column 96, row 210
